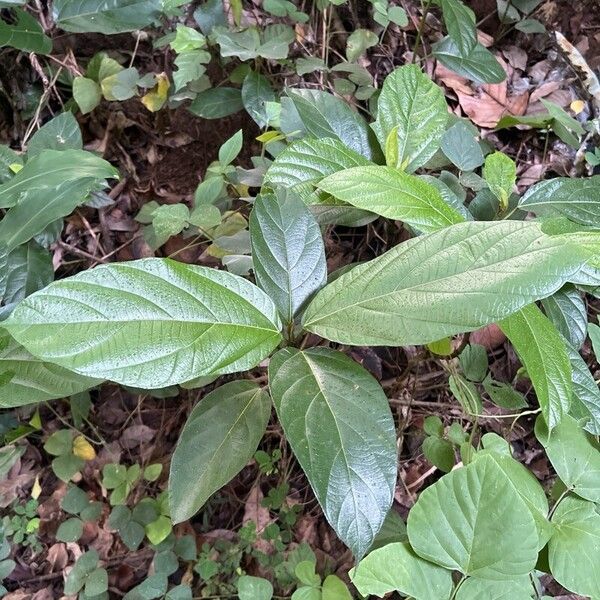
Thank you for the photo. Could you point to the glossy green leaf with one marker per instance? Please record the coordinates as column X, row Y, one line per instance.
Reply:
column 460, row 146
column 287, row 251
column 28, row 380
column 574, row 550
column 218, row 439
column 24, row 32
column 256, row 92
column 575, row 456
column 480, row 589
column 331, row 409
column 150, row 323
column 474, row 362
column 216, row 103
column 455, row 520
column 325, row 116
column 479, row 64
column 392, row 194
column 577, row 199
column 40, row 206
column 396, row 567
column 544, row 354
column 60, row 133
column 416, row 292
column 229, row 151
column 568, row 312
column 51, row 169
column 585, row 403
column 28, row 269
column 105, row 16
column 412, row 103
column 460, row 24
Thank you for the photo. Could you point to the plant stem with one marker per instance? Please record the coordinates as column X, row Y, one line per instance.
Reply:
column 421, row 29
column 458, row 587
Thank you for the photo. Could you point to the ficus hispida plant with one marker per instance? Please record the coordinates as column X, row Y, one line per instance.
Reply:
column 153, row 323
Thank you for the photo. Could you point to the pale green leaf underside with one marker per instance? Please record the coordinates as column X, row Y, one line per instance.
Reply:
column 544, row 354
column 462, row 522
column 568, row 311
column 411, row 102
column 480, row 589
column 28, row 380
column 149, row 323
column 574, row 550
column 392, row 194
column 339, row 425
column 218, row 439
column 287, row 251
column 396, row 567
column 458, row 279
column 585, row 403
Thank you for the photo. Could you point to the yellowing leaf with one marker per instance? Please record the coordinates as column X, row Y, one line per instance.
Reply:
column 270, row 136
column 83, row 449
column 442, row 347
column 15, row 167
column 155, row 99
column 577, row 106
column 36, row 490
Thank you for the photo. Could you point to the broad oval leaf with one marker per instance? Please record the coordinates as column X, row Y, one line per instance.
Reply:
column 216, row 103
column 60, row 133
column 473, row 521
column 585, row 403
column 149, row 323
column 392, row 194
column 256, row 92
column 25, row 379
column 51, row 168
column 568, row 312
column 575, row 456
column 215, row 444
column 325, row 116
column 396, row 567
column 576, row 199
column 574, row 550
column 460, row 24
column 458, row 279
column 415, row 107
column 24, row 33
column 338, row 422
column 461, row 147
column 544, row 354
column 287, row 251
column 480, row 589
column 479, row 64
column 105, row 16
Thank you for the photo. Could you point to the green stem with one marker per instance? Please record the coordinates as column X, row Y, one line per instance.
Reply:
column 458, row 585
column 425, row 9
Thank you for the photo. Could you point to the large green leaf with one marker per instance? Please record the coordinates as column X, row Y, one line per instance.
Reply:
column 415, row 107
column 305, row 162
column 585, row 403
column 338, row 422
column 25, row 379
column 567, row 310
column 216, row 103
column 460, row 24
column 392, row 194
column 473, row 521
column 325, row 116
column 287, row 251
column 105, row 16
column 575, row 456
column 218, row 439
column 543, row 353
column 28, row 269
column 460, row 146
column 574, row 550
column 577, row 199
column 458, row 279
column 256, row 92
column 40, row 206
column 479, row 64
column 149, row 323
column 528, row 488
column 480, row 589
column 396, row 567
column 60, row 133
column 24, row 33
column 52, row 168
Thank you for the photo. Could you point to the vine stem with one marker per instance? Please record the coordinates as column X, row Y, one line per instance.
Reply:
column 421, row 29
column 560, row 499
